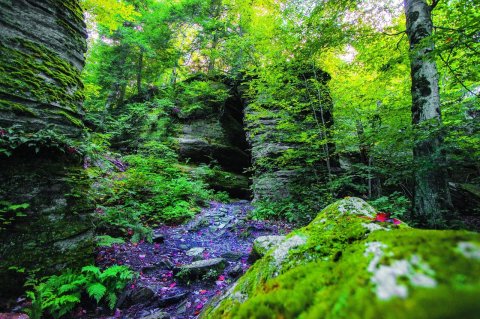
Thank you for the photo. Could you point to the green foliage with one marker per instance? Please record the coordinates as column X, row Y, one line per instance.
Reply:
column 396, row 204
column 48, row 138
column 9, row 212
column 199, row 97
column 153, row 190
column 57, row 295
column 108, row 241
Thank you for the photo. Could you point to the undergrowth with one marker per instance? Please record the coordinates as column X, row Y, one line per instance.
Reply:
column 55, row 296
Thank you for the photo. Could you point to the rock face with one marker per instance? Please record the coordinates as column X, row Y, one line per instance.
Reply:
column 344, row 265
column 280, row 169
column 42, row 44
column 211, row 131
column 41, row 56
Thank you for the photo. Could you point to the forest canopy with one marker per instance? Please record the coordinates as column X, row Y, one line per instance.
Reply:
column 138, row 48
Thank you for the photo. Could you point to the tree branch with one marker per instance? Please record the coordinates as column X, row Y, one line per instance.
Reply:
column 434, row 4
column 456, row 77
column 394, row 34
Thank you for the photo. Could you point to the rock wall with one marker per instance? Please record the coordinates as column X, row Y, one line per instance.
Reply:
column 350, row 262
column 42, row 46
column 279, row 159
column 212, row 132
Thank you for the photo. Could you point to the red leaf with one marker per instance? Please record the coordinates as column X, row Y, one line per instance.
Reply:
column 382, row 217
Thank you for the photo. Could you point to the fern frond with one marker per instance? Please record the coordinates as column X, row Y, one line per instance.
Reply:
column 112, row 300
column 91, row 270
column 96, row 291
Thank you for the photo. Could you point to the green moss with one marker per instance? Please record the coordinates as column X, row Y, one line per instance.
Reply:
column 16, row 108
column 75, row 121
column 32, row 71
column 333, row 275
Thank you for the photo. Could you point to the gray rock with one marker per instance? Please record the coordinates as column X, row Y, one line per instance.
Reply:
column 235, row 271
column 263, row 244
column 156, row 314
column 196, row 253
column 158, row 238
column 141, row 295
column 232, row 255
column 200, row 268
column 165, row 264
column 171, row 300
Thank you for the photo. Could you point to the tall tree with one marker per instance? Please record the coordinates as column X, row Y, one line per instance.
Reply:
column 432, row 198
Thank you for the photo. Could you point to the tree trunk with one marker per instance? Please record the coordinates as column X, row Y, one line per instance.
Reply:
column 431, row 197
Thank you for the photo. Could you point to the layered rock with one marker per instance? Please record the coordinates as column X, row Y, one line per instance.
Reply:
column 279, row 156
column 42, row 45
column 210, row 131
column 41, row 56
column 344, row 265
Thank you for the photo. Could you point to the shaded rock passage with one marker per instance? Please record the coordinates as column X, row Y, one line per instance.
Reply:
column 214, row 248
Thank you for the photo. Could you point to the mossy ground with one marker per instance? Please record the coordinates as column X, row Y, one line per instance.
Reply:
column 329, row 276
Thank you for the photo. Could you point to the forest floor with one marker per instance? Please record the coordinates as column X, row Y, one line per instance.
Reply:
column 161, row 291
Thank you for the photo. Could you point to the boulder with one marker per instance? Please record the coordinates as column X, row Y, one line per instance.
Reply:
column 262, row 244
column 198, row 269
column 346, row 265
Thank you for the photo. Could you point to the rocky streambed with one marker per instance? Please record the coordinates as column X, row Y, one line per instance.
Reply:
column 189, row 264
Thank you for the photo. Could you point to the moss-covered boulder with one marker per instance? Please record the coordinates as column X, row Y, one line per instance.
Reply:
column 346, row 265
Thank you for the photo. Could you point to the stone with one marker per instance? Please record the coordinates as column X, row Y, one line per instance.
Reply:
column 275, row 180
column 42, row 46
column 171, row 300
column 236, row 271
column 332, row 266
column 156, row 314
column 232, row 255
column 148, row 270
column 165, row 264
column 196, row 252
column 158, row 238
column 197, row 269
column 141, row 295
column 262, row 244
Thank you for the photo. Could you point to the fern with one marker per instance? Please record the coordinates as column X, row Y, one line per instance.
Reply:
column 96, row 291
column 58, row 295
column 112, row 300
column 92, row 270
